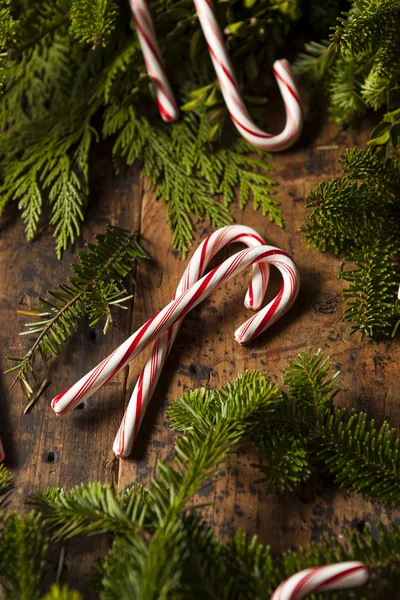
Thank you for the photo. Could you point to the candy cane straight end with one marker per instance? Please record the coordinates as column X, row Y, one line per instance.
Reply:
column 154, row 63
column 320, row 579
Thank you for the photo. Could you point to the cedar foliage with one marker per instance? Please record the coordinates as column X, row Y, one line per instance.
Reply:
column 72, row 73
column 161, row 546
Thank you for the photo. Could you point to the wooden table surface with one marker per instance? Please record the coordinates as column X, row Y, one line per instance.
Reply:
column 43, row 450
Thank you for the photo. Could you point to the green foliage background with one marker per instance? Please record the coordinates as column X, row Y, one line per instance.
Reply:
column 72, row 73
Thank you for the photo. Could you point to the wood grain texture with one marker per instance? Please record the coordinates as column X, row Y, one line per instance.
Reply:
column 205, row 354
column 45, row 450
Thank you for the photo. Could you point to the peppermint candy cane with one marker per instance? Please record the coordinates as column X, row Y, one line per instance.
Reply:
column 321, row 579
column 153, row 61
column 149, row 376
column 226, row 77
column 179, row 307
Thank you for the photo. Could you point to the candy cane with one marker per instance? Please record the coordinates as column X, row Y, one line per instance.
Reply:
column 321, row 579
column 153, row 61
column 149, row 376
column 179, row 307
column 226, row 77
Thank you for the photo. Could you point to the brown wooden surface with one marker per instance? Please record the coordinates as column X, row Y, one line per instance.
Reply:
column 44, row 450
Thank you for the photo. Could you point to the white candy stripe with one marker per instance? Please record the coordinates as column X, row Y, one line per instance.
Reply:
column 320, row 579
column 177, row 309
column 152, row 58
column 226, row 77
column 149, row 376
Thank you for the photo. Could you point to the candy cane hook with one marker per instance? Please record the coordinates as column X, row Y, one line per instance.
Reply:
column 321, row 579
column 150, row 374
column 180, row 306
column 226, row 77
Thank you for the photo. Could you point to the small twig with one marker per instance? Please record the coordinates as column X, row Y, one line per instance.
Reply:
column 60, row 567
column 43, row 386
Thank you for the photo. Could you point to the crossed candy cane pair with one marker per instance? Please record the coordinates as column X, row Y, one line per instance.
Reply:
column 163, row 327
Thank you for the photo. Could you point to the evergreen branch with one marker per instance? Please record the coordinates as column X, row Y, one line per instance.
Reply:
column 310, row 384
column 285, row 457
column 93, row 22
column 305, row 425
column 360, row 214
column 362, row 458
column 371, row 295
column 162, row 548
column 96, row 286
column 187, row 172
column 6, row 480
column 57, row 592
column 155, row 565
column 59, row 77
column 282, row 438
column 91, row 510
column 358, row 70
column 23, row 549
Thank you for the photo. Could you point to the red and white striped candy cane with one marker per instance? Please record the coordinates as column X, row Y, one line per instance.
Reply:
column 149, row 376
column 226, row 77
column 321, row 579
column 153, row 61
column 180, row 306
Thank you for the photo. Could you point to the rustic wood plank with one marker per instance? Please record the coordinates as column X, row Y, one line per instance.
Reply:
column 41, row 449
column 206, row 354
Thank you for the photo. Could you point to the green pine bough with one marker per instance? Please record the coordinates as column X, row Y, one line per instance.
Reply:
column 72, row 73
column 161, row 546
column 359, row 215
column 97, row 286
column 357, row 68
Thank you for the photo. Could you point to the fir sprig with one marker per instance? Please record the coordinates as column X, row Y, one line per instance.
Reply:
column 23, row 551
column 92, row 509
column 357, row 69
column 96, row 287
column 348, row 445
column 360, row 215
column 6, row 480
column 361, row 457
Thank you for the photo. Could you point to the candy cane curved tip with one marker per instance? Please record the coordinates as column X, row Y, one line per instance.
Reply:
column 318, row 579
